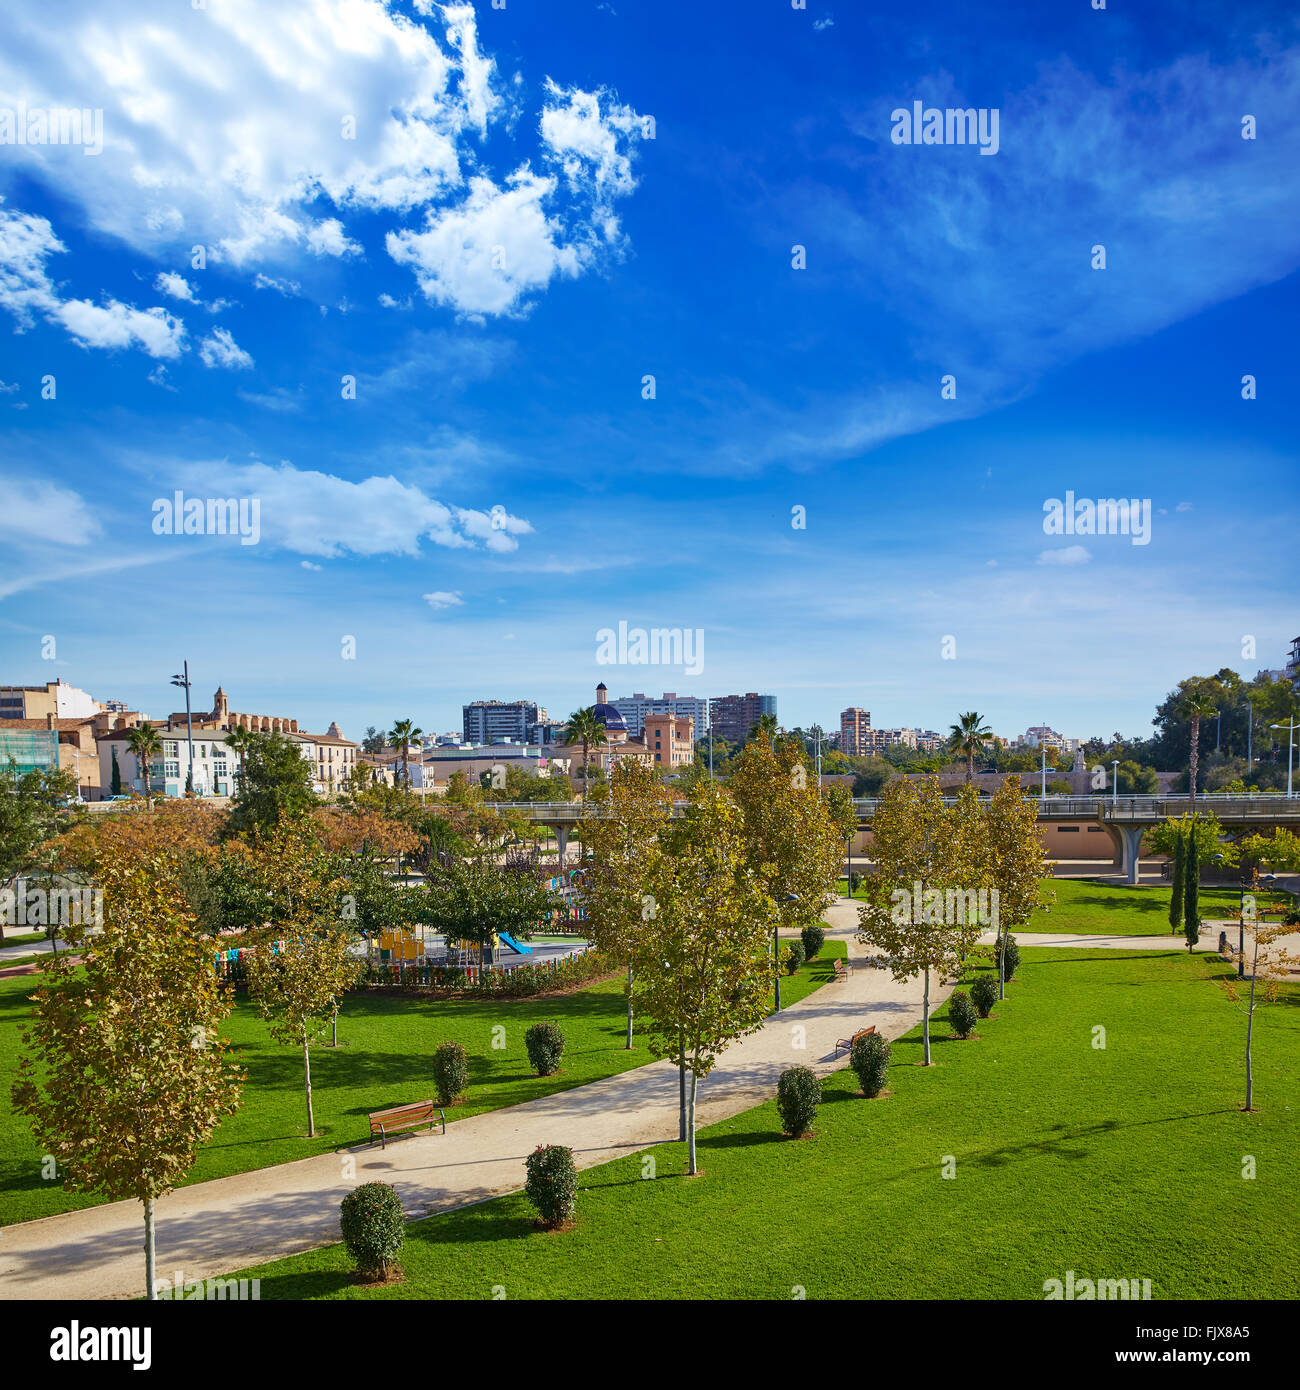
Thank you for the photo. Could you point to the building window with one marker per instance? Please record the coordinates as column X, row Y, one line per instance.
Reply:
column 171, row 768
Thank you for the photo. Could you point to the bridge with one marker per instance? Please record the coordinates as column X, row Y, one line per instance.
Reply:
column 1125, row 818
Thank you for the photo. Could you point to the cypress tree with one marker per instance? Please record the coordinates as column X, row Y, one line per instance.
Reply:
column 1176, row 897
column 1191, row 893
column 115, row 783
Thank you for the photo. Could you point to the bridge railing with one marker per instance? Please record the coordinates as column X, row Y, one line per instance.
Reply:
column 1259, row 806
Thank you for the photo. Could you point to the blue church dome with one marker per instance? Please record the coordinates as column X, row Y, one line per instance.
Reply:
column 606, row 713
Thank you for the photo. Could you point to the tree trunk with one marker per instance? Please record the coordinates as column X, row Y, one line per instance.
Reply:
column 306, row 1068
column 691, row 1127
column 149, row 1264
column 1195, row 753
column 629, row 1008
column 334, row 1040
column 970, row 767
column 925, row 1017
column 1250, row 1024
column 1002, row 964
column 681, row 1087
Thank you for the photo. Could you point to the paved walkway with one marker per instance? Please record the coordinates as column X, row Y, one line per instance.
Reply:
column 215, row 1227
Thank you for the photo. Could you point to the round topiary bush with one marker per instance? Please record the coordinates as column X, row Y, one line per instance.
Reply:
column 1010, row 957
column 552, row 1183
column 961, row 1014
column 450, row 1071
column 794, row 957
column 545, row 1044
column 984, row 994
column 370, row 1218
column 812, row 937
column 798, row 1093
column 869, row 1058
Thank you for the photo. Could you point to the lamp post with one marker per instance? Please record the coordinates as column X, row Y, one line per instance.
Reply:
column 1042, row 794
column 1114, row 785
column 183, row 681
column 1290, row 726
column 1250, row 729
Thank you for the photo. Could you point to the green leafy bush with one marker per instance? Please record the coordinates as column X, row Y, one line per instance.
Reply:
column 1010, row 957
column 370, row 1218
column 552, row 1183
column 961, row 1014
column 793, row 957
column 450, row 1071
column 869, row 1058
column 545, row 1044
column 984, row 994
column 812, row 936
column 798, row 1093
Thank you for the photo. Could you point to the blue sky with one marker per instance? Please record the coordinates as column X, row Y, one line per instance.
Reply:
column 541, row 205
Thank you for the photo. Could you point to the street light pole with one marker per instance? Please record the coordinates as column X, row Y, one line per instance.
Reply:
column 184, row 681
column 1290, row 726
column 1250, row 729
column 1114, row 784
column 1042, row 795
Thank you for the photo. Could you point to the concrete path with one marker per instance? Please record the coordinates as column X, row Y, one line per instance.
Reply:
column 215, row 1227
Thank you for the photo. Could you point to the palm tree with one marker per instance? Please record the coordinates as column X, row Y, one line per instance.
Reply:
column 144, row 742
column 1196, row 705
column 240, row 740
column 401, row 736
column 766, row 728
column 966, row 739
column 586, row 729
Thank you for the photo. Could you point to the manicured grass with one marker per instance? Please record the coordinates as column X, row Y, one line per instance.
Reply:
column 386, row 1043
column 1120, row 909
column 30, row 938
column 1122, row 1162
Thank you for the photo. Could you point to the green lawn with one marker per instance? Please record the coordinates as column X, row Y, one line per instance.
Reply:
column 387, row 1040
column 1119, row 909
column 1122, row 1162
column 30, row 938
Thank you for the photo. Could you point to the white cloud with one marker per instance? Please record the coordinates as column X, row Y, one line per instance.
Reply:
column 1071, row 555
column 442, row 598
column 307, row 565
column 26, row 289
column 490, row 252
column 36, row 510
column 116, row 325
column 324, row 516
column 288, row 288
column 219, row 349
column 820, row 24
column 177, row 286
column 327, row 238
column 496, row 529
column 259, row 130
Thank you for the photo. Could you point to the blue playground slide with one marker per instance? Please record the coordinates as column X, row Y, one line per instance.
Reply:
column 508, row 940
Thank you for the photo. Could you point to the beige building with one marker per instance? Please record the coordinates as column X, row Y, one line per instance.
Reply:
column 855, row 731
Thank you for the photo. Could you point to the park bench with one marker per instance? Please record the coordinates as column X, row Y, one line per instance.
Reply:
column 847, row 1043
column 403, row 1117
column 840, row 970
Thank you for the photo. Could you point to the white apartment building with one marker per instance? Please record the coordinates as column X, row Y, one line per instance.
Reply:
column 634, row 709
column 330, row 756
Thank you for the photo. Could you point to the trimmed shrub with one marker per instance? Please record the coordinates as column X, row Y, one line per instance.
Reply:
column 984, row 994
column 854, row 881
column 961, row 1014
column 869, row 1058
column 798, row 1093
column 794, row 956
column 552, row 1183
column 545, row 1044
column 1010, row 957
column 812, row 936
column 370, row 1218
column 450, row 1071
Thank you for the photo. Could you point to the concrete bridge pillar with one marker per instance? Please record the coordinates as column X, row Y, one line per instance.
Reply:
column 562, row 839
column 1130, row 848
